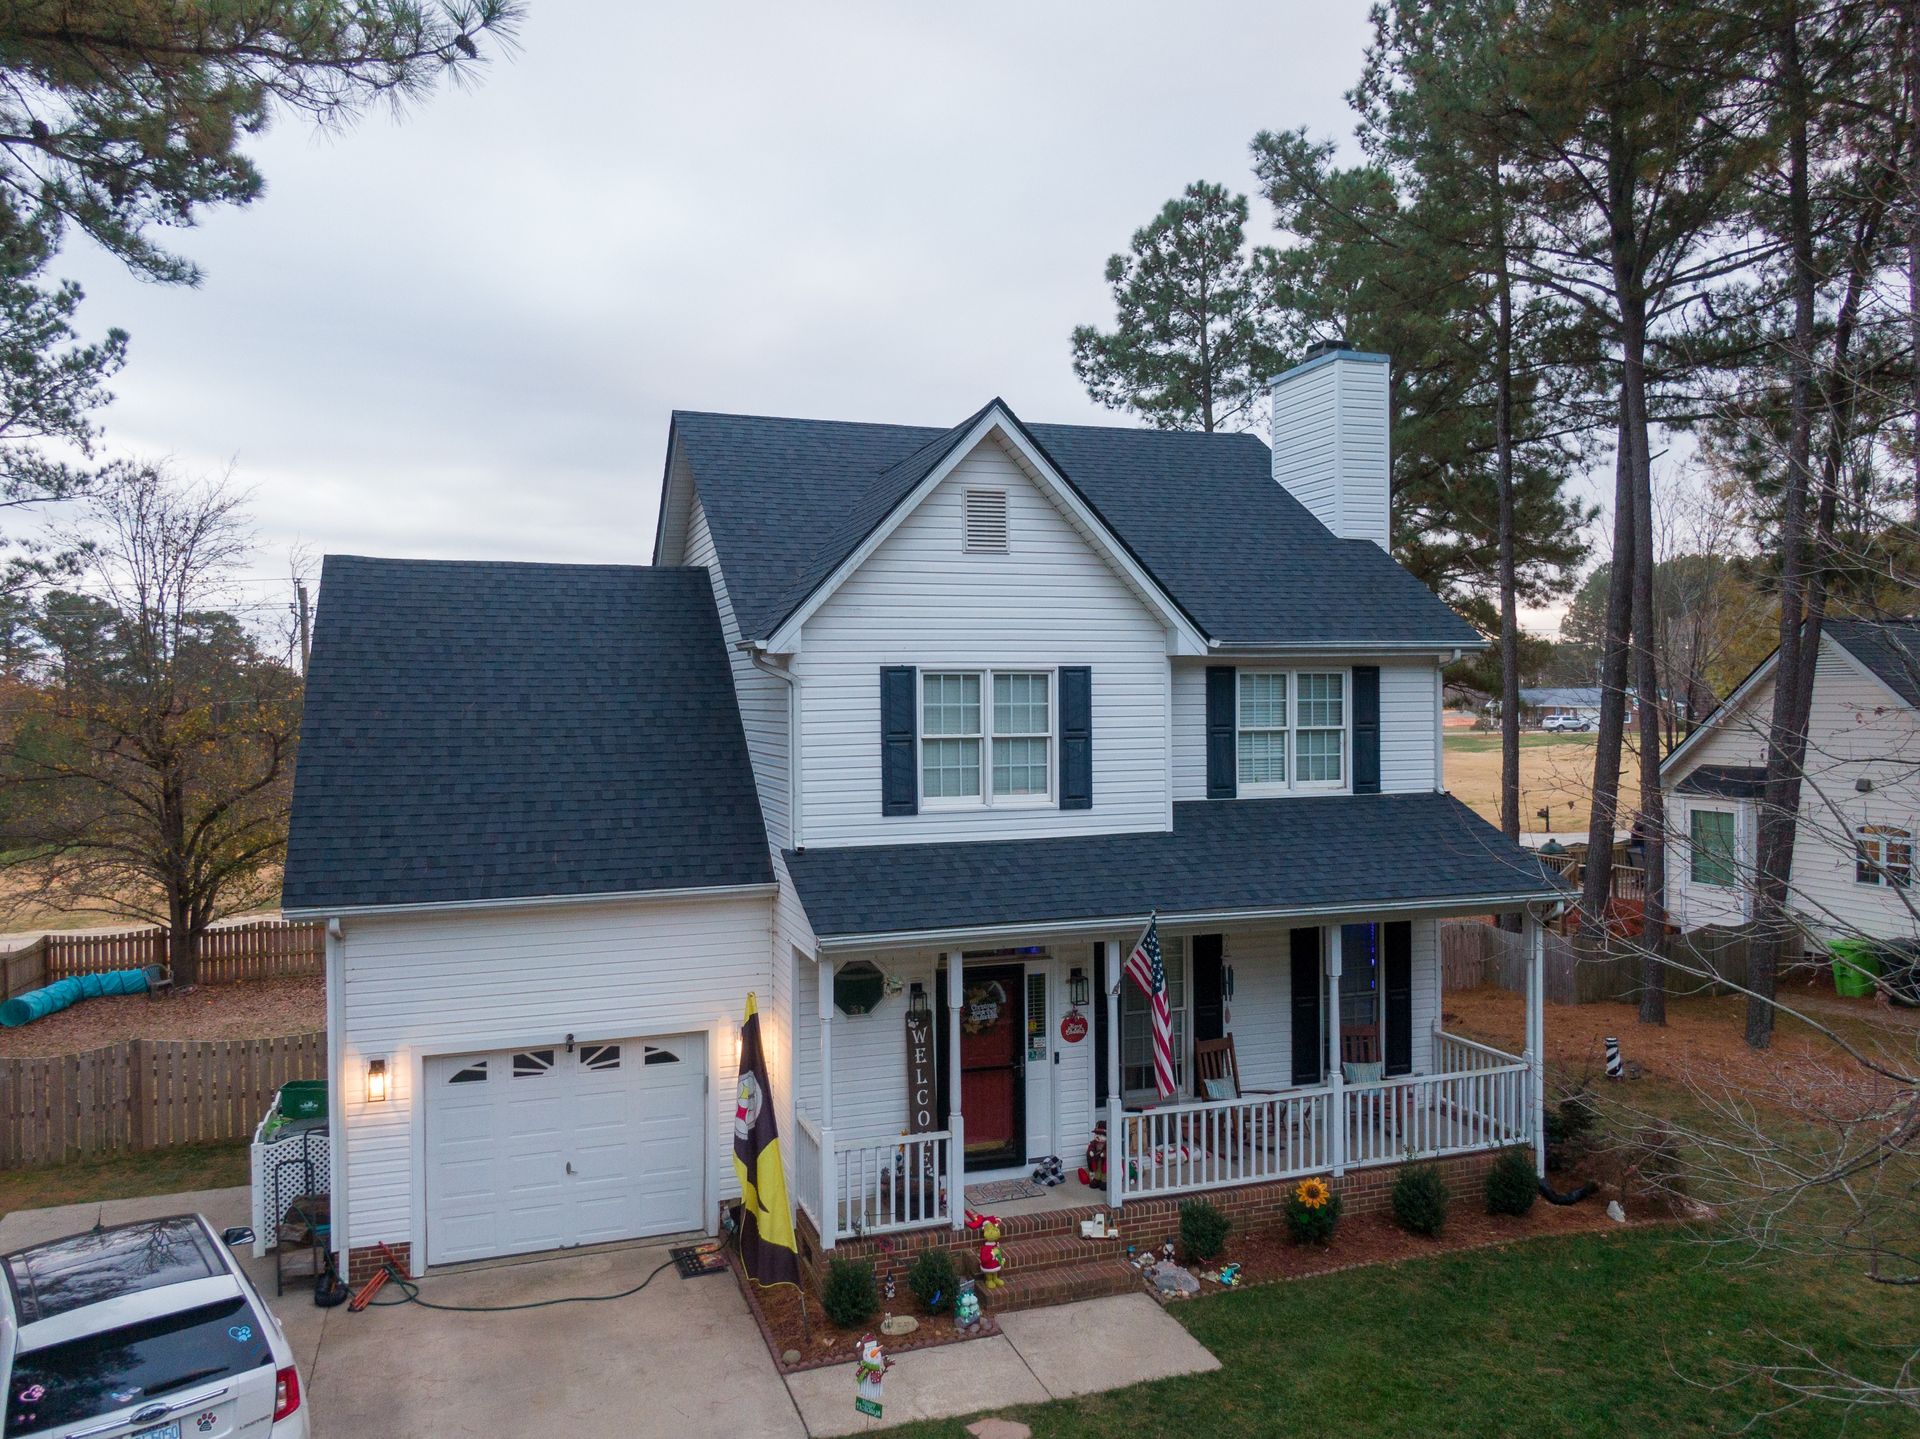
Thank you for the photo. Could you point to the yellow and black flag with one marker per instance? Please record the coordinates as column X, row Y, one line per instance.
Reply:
column 766, row 1218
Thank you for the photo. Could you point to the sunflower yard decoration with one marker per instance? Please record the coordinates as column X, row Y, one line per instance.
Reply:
column 1313, row 1209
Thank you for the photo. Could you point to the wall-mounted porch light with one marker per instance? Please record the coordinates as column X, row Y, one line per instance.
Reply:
column 1079, row 987
column 376, row 1081
column 917, row 997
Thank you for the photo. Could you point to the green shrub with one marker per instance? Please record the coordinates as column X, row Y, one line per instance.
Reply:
column 1511, row 1184
column 1420, row 1199
column 932, row 1280
column 1203, row 1230
column 847, row 1296
column 1572, row 1128
column 1313, row 1210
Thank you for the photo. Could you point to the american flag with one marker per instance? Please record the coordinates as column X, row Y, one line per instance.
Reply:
column 1149, row 971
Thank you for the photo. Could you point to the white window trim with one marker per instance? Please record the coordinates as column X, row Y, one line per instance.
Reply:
column 1293, row 784
column 986, row 799
column 1875, row 833
column 1733, row 858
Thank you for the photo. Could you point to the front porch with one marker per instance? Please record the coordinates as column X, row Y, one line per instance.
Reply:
column 1287, row 1001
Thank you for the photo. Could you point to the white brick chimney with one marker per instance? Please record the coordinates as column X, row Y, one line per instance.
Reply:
column 1330, row 439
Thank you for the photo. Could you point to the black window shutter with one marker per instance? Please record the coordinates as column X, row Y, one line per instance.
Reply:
column 1076, row 737
column 1366, row 729
column 1305, row 945
column 1398, row 982
column 1222, row 760
column 899, row 783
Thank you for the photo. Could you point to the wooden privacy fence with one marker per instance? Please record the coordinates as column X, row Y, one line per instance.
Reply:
column 260, row 949
column 1703, row 961
column 145, row 1094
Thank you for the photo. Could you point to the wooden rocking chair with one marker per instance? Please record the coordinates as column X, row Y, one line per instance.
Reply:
column 1216, row 1059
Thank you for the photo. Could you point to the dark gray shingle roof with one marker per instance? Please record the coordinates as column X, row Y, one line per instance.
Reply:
column 485, row 731
column 787, row 501
column 1725, row 781
column 1309, row 854
column 1890, row 648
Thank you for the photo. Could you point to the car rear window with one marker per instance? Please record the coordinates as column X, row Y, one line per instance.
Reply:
column 64, row 1383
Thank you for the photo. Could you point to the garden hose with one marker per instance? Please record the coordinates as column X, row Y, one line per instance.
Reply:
column 1554, row 1196
column 410, row 1294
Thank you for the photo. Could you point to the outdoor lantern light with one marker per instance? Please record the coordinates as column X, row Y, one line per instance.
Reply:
column 917, row 997
column 1079, row 987
column 376, row 1081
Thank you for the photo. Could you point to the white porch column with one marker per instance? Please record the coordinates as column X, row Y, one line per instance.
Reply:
column 1116, row 1107
column 1536, row 1055
column 1336, row 1092
column 829, row 1169
column 956, row 1122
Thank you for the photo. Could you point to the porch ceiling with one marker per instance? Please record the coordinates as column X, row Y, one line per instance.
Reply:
column 1318, row 855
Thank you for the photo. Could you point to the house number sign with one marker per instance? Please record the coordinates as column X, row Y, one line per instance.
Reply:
column 922, row 1100
column 1073, row 1026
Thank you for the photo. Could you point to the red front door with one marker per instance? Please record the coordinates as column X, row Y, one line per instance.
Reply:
column 993, row 1086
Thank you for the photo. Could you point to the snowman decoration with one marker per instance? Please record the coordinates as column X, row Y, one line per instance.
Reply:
column 869, row 1374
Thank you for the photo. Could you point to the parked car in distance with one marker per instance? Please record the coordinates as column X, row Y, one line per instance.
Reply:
column 1567, row 724
column 148, row 1330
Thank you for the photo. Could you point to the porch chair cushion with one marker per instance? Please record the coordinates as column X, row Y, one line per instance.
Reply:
column 1364, row 1073
column 1220, row 1087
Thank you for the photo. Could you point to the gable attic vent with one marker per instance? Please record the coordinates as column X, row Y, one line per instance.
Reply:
column 986, row 523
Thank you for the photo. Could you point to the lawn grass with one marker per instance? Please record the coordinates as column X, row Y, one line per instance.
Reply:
column 158, row 1171
column 1637, row 1333
column 1485, row 741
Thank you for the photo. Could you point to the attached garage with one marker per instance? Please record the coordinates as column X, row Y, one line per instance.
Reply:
column 555, row 1146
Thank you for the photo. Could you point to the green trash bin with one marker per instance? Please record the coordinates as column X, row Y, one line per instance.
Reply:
column 303, row 1099
column 1856, row 964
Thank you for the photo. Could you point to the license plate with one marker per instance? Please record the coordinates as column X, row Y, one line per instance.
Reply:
column 161, row 1431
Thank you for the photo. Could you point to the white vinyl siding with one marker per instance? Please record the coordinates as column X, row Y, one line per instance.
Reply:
column 1858, row 730
column 763, row 699
column 1330, row 448
column 451, row 983
column 917, row 599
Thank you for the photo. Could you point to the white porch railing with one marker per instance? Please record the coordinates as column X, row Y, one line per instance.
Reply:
column 806, row 1169
column 873, row 1186
column 1181, row 1148
column 1454, row 1055
column 1429, row 1116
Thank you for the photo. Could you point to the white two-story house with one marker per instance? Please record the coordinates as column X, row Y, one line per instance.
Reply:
column 910, row 731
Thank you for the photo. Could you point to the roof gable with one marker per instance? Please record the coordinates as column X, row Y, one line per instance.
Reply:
column 485, row 732
column 1889, row 650
column 789, row 501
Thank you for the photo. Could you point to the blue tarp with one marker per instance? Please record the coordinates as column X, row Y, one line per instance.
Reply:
column 38, row 1003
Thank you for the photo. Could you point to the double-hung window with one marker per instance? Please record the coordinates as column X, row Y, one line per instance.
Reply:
column 1883, row 855
column 1292, row 729
column 986, row 736
column 1710, row 845
column 1136, row 1024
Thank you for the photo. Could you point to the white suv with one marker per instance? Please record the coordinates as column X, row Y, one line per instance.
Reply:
column 147, row 1330
column 1567, row 724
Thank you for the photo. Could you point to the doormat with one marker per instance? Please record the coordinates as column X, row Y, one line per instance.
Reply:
column 1002, row 1190
column 693, row 1260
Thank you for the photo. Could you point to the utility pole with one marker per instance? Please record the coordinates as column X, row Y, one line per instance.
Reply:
column 306, row 632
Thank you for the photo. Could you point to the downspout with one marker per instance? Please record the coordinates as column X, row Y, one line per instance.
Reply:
column 796, row 833
column 335, row 966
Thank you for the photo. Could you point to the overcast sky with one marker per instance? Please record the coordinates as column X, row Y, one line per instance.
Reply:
column 460, row 333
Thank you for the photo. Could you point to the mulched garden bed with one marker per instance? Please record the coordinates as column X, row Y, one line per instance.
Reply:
column 250, row 1009
column 822, row 1342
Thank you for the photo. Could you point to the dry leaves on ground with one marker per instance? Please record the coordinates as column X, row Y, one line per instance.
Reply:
column 252, row 1009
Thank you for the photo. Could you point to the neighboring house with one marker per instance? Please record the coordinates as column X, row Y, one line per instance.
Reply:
column 1537, row 706
column 908, row 730
column 1859, row 803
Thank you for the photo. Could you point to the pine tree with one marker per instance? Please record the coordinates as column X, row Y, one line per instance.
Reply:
column 1187, row 348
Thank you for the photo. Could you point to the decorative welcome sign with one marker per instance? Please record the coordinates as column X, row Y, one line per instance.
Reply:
column 1073, row 1026
column 922, row 1098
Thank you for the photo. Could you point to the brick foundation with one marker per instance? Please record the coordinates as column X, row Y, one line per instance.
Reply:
column 1053, row 1239
column 363, row 1264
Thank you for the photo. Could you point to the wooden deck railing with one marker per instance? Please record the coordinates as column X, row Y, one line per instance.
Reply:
column 258, row 949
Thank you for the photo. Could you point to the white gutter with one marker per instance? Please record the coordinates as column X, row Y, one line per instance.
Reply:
column 336, row 972
column 543, row 901
column 1350, row 647
column 757, row 656
column 924, row 938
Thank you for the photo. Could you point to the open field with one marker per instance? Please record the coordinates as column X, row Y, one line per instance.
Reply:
column 1556, row 773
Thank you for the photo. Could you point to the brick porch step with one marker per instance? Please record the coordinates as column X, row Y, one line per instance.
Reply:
column 1055, row 1251
column 1063, row 1284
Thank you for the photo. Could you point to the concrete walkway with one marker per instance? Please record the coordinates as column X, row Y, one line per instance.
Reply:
column 1039, row 1354
column 682, row 1357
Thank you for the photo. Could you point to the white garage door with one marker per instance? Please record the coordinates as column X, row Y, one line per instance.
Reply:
column 546, row 1148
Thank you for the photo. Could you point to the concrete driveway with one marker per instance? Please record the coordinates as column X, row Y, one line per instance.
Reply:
column 681, row 1358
